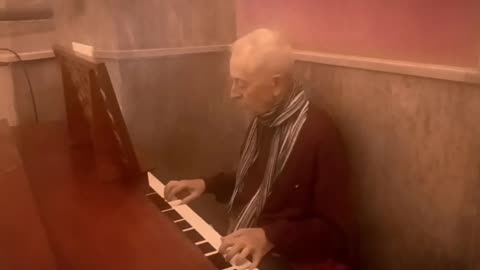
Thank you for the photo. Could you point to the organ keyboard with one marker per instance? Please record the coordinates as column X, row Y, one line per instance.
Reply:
column 193, row 226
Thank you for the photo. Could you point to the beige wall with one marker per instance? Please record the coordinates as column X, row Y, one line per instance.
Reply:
column 415, row 150
column 47, row 90
column 180, row 23
column 27, row 36
column 87, row 21
column 171, row 103
column 16, row 103
column 27, row 27
column 178, row 107
column 124, row 24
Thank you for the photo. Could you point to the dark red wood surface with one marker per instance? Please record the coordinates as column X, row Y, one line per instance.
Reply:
column 23, row 240
column 93, row 224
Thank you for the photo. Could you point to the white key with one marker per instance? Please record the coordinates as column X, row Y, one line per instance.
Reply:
column 175, row 203
column 240, row 266
column 202, row 227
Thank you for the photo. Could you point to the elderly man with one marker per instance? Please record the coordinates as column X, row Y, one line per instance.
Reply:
column 289, row 197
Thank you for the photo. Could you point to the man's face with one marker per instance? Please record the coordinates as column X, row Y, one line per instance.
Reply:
column 254, row 91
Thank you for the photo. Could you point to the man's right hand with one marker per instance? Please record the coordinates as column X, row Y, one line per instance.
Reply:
column 175, row 189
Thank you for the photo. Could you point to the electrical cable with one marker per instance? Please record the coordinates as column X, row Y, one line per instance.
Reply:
column 22, row 64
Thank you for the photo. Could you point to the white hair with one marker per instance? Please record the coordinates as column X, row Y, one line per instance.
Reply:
column 263, row 51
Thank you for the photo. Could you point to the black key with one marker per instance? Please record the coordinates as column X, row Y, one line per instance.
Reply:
column 218, row 260
column 194, row 236
column 159, row 202
column 206, row 248
column 183, row 225
column 172, row 215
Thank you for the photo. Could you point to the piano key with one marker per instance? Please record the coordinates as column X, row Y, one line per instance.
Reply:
column 201, row 227
column 201, row 242
column 199, row 224
column 193, row 235
column 188, row 214
column 240, row 263
column 159, row 202
column 206, row 248
column 183, row 224
column 218, row 260
column 172, row 214
column 175, row 203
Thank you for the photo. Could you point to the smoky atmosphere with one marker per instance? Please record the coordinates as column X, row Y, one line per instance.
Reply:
column 239, row 134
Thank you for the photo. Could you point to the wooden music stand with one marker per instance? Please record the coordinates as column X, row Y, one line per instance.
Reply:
column 94, row 116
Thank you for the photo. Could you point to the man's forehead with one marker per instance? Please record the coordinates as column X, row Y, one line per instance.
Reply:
column 239, row 67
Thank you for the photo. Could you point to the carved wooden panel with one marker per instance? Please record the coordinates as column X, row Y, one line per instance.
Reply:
column 94, row 116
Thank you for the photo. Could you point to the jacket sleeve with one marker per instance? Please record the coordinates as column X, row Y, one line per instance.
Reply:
column 221, row 185
column 324, row 233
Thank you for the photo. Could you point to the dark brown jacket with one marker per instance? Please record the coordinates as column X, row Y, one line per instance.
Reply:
column 308, row 215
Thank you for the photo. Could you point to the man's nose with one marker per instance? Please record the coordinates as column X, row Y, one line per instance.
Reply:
column 235, row 93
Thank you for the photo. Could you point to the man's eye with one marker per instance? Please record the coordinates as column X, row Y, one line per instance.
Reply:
column 242, row 85
column 239, row 84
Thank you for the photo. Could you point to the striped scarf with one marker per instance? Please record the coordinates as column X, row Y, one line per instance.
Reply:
column 287, row 120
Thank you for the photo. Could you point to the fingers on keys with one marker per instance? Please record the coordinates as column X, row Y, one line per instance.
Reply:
column 189, row 198
column 232, row 251
column 171, row 189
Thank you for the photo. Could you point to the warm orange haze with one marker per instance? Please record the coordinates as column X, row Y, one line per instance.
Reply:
column 239, row 134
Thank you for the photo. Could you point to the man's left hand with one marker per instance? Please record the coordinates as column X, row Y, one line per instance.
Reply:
column 245, row 242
